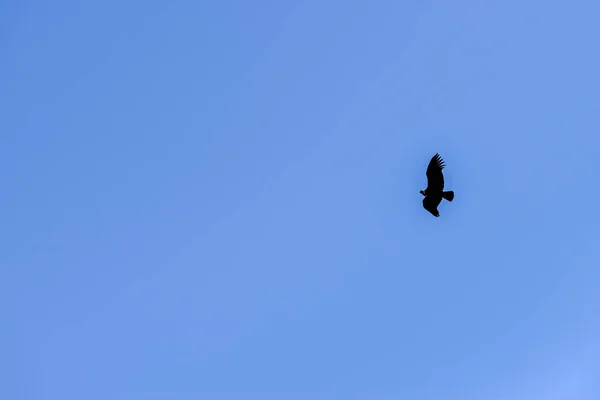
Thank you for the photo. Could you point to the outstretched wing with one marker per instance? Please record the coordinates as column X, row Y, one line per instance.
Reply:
column 430, row 203
column 435, row 178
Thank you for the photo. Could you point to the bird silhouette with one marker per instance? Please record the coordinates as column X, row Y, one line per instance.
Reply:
column 435, row 186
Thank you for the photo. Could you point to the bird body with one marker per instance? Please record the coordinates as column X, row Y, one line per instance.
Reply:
column 434, row 193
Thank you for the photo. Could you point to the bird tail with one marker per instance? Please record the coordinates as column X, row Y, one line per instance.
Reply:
column 449, row 195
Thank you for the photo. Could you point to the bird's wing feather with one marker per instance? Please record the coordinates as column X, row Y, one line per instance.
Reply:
column 435, row 178
column 430, row 203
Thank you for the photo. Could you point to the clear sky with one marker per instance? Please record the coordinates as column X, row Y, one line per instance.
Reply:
column 220, row 200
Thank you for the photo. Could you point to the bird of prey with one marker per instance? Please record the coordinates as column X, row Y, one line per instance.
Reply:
column 435, row 186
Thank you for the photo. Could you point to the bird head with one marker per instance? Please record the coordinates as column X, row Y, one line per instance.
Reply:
column 422, row 192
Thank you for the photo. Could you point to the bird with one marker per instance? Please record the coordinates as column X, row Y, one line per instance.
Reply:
column 434, row 193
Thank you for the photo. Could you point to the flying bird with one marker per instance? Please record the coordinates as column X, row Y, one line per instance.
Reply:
column 435, row 186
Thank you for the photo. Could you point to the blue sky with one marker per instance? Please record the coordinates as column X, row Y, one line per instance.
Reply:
column 220, row 200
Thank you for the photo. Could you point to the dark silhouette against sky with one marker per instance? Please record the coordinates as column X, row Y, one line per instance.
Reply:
column 220, row 200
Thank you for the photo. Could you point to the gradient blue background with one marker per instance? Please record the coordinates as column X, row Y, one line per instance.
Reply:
column 220, row 200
